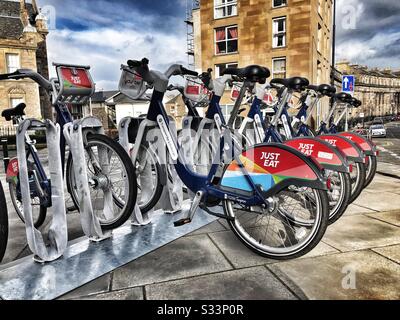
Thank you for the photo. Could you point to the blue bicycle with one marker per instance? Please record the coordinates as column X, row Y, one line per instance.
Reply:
column 273, row 197
column 74, row 85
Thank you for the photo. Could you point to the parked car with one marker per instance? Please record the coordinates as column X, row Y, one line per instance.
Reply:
column 378, row 120
column 378, row 131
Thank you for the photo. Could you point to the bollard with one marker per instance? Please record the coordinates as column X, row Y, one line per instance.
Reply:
column 6, row 158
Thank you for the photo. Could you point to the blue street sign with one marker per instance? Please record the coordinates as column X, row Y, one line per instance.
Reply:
column 348, row 84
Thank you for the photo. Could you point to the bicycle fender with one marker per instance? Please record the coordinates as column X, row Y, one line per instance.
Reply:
column 272, row 167
column 326, row 155
column 12, row 171
column 348, row 147
column 366, row 145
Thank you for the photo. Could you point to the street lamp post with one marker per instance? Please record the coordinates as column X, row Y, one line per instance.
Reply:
column 333, row 68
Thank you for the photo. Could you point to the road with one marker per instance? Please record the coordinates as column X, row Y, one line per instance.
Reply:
column 390, row 146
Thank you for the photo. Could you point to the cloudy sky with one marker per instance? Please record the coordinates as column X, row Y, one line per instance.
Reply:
column 105, row 33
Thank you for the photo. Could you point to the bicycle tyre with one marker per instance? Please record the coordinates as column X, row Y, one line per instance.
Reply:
column 371, row 170
column 361, row 170
column 3, row 223
column 346, row 182
column 131, row 176
column 42, row 212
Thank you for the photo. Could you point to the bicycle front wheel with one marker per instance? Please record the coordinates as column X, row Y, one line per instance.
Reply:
column 117, row 177
column 3, row 223
column 293, row 225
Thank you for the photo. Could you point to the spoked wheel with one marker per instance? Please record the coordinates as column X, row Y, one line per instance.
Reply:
column 117, row 176
column 148, row 174
column 291, row 227
column 357, row 178
column 38, row 211
column 338, row 195
column 371, row 168
column 3, row 223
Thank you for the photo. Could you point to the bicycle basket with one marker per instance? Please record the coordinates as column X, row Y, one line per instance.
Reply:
column 196, row 91
column 131, row 83
column 75, row 84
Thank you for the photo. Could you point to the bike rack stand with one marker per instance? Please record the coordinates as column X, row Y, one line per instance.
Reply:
column 75, row 135
column 172, row 197
column 58, row 233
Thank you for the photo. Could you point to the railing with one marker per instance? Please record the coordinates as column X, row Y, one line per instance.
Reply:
column 8, row 131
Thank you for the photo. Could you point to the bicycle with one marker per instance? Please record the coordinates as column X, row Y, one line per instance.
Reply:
column 74, row 85
column 3, row 223
column 261, row 186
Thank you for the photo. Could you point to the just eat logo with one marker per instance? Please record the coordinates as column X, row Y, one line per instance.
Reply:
column 271, row 160
column 306, row 148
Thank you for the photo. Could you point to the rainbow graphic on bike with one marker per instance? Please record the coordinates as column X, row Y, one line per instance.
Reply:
column 267, row 166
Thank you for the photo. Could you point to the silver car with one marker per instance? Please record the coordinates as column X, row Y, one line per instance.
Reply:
column 378, row 131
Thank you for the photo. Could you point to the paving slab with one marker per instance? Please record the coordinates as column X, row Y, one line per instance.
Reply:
column 241, row 257
column 392, row 252
column 186, row 257
column 361, row 232
column 384, row 184
column 353, row 210
column 97, row 286
column 246, row 284
column 213, row 227
column 378, row 201
column 132, row 294
column 361, row 275
column 392, row 217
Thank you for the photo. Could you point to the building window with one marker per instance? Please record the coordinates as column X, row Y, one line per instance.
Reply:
column 279, row 3
column 226, row 40
column 279, row 32
column 225, row 8
column 279, row 68
column 12, row 62
column 220, row 68
column 15, row 102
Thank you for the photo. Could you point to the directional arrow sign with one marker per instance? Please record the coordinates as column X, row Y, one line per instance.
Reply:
column 348, row 84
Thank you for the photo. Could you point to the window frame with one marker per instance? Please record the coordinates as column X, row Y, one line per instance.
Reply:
column 225, row 5
column 7, row 66
column 284, row 33
column 273, row 66
column 227, row 65
column 281, row 6
column 226, row 40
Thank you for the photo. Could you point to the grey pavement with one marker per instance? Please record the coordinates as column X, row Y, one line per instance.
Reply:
column 359, row 258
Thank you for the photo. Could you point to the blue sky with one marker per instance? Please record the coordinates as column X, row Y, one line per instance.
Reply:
column 104, row 34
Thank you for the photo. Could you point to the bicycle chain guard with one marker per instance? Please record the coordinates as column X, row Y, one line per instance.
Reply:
column 58, row 233
column 75, row 134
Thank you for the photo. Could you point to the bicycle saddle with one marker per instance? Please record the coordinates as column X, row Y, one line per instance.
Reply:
column 324, row 89
column 8, row 114
column 356, row 103
column 343, row 97
column 296, row 83
column 252, row 73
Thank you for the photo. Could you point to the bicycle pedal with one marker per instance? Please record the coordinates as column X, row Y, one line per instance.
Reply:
column 182, row 222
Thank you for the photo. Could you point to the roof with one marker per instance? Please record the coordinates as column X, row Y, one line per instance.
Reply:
column 102, row 96
column 11, row 26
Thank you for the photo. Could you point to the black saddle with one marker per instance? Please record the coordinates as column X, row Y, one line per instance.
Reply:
column 296, row 83
column 356, row 103
column 343, row 97
column 324, row 89
column 18, row 111
column 252, row 73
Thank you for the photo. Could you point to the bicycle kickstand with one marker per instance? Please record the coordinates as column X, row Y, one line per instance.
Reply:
column 193, row 208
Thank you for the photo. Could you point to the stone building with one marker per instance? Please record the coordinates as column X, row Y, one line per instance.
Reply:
column 290, row 37
column 23, row 32
column 378, row 89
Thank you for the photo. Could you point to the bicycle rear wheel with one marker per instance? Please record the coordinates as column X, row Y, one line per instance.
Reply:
column 3, row 223
column 357, row 180
column 120, row 180
column 289, row 229
column 371, row 170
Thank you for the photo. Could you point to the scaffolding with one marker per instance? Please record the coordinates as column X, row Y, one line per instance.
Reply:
column 190, row 6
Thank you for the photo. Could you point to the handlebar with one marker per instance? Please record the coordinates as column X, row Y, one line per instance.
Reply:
column 27, row 73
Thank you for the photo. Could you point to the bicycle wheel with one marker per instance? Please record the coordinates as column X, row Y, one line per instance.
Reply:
column 290, row 228
column 148, row 174
column 120, row 180
column 371, row 170
column 357, row 178
column 3, row 223
column 38, row 212
column 339, row 195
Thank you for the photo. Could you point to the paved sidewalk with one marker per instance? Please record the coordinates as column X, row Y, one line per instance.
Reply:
column 359, row 258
